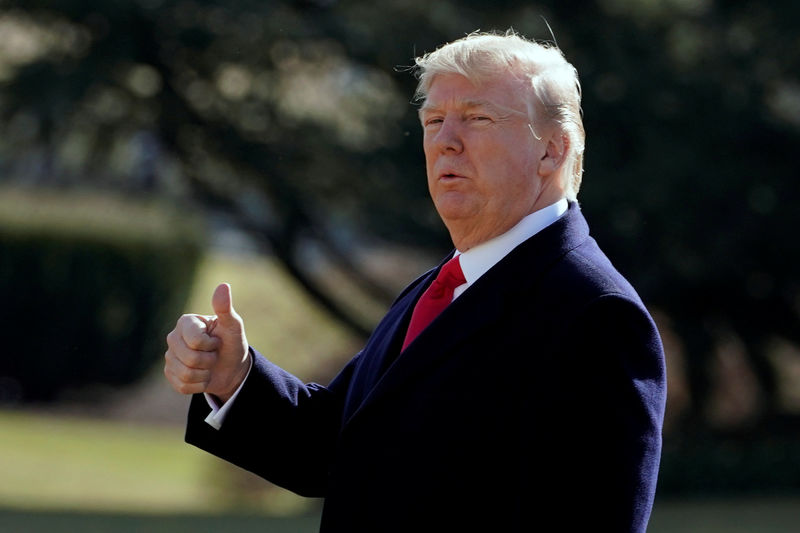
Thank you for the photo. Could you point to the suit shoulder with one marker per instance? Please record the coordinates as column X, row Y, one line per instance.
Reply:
column 585, row 273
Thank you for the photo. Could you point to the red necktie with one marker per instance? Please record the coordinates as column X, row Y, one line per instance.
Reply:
column 435, row 298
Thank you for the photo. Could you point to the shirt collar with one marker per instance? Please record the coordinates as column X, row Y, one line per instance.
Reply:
column 476, row 261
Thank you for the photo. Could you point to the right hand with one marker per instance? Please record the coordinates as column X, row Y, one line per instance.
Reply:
column 208, row 354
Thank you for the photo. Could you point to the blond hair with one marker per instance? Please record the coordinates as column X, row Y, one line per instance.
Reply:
column 555, row 90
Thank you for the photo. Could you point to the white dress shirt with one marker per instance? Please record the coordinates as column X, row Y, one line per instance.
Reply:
column 475, row 262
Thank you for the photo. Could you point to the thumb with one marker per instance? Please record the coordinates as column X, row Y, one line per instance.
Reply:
column 222, row 303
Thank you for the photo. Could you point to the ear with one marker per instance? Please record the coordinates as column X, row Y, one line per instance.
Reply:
column 554, row 154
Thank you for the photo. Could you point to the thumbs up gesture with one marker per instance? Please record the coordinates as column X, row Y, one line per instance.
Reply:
column 208, row 353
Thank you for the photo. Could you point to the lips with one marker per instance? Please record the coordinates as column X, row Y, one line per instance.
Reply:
column 448, row 174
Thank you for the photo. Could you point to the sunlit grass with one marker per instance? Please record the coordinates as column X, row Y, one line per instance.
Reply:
column 16, row 521
column 60, row 462
column 53, row 212
column 732, row 514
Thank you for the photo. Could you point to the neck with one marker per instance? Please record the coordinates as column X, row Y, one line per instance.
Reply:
column 467, row 234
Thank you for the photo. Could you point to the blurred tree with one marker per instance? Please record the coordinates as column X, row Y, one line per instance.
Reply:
column 295, row 116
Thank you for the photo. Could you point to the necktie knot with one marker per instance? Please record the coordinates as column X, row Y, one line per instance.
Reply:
column 451, row 275
column 435, row 298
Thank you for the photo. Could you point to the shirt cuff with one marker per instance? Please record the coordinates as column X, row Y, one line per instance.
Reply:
column 218, row 412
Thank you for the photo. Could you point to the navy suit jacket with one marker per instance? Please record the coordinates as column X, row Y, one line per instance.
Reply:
column 534, row 402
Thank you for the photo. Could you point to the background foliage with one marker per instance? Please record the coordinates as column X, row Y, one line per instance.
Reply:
column 89, row 296
column 293, row 118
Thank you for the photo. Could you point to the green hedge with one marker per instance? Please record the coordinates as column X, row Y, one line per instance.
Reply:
column 89, row 285
column 767, row 461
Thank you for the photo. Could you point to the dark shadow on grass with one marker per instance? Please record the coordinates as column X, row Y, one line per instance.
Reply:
column 31, row 521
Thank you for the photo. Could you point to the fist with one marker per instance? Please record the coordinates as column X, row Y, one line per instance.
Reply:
column 208, row 353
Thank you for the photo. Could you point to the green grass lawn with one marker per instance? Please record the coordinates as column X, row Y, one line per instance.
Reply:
column 57, row 462
column 73, row 474
column 14, row 521
column 754, row 514
column 65, row 463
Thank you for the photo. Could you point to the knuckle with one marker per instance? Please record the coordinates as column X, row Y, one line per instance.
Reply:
column 181, row 324
column 172, row 337
column 190, row 359
column 194, row 339
column 195, row 360
column 192, row 344
column 169, row 363
column 188, row 325
column 185, row 375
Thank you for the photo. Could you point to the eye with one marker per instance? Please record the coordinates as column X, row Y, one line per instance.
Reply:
column 480, row 118
column 433, row 121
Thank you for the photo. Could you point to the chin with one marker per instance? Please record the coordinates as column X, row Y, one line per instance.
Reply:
column 455, row 206
column 453, row 216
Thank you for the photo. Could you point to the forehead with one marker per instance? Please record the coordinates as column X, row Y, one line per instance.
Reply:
column 456, row 91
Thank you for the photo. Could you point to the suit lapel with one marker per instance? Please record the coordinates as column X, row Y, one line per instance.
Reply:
column 515, row 274
column 384, row 344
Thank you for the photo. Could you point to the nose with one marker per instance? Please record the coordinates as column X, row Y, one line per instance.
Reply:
column 448, row 138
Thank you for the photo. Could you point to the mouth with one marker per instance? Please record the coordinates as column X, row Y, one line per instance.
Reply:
column 449, row 175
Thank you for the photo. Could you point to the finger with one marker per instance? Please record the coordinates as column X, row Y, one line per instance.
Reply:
column 211, row 323
column 222, row 302
column 189, row 357
column 185, row 374
column 184, row 379
column 193, row 330
column 184, row 388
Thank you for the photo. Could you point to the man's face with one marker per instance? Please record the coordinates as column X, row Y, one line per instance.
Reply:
column 482, row 158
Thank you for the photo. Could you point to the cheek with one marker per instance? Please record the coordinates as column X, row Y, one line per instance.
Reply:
column 525, row 159
column 430, row 157
column 517, row 179
column 510, row 163
column 530, row 166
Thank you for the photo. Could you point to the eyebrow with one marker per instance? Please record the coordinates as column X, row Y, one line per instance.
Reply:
column 466, row 104
column 500, row 111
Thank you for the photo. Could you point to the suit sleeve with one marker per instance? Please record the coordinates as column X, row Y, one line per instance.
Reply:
column 613, row 386
column 279, row 428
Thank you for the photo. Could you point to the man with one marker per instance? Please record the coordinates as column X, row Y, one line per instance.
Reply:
column 532, row 402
